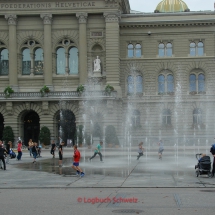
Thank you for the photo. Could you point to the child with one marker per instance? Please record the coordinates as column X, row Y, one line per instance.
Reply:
column 140, row 150
column 160, row 150
column 76, row 157
column 98, row 151
column 61, row 153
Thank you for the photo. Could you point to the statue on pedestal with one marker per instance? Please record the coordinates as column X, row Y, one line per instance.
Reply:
column 97, row 65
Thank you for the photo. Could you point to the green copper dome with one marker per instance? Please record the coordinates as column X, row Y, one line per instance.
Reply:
column 171, row 6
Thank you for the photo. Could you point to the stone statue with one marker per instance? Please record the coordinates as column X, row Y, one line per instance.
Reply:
column 97, row 64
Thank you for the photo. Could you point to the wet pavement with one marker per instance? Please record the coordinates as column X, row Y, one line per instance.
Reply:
column 120, row 169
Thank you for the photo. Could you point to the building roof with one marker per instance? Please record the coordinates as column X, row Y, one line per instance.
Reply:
column 171, row 6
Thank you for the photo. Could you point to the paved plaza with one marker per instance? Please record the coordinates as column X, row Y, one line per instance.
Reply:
column 167, row 186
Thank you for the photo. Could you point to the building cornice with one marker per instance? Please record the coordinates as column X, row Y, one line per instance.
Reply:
column 167, row 23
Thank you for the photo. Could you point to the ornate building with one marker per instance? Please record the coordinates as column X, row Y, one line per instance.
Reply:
column 160, row 64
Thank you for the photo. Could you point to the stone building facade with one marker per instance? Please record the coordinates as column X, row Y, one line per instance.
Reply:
column 160, row 64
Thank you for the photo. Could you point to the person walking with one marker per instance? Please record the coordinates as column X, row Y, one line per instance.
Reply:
column 2, row 154
column 76, row 157
column 98, row 151
column 140, row 150
column 53, row 148
column 30, row 145
column 161, row 148
column 8, row 148
column 34, row 152
column 1, row 164
column 19, row 149
column 61, row 153
column 212, row 151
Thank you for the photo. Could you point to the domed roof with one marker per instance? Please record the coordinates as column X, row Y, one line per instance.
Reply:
column 171, row 6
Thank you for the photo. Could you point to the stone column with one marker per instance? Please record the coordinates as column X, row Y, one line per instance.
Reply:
column 82, row 18
column 112, row 48
column 32, row 63
column 13, row 71
column 47, row 21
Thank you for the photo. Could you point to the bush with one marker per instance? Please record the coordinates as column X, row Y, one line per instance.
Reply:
column 79, row 134
column 111, row 136
column 8, row 91
column 45, row 135
column 8, row 134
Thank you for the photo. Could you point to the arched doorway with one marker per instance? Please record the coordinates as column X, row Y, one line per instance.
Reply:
column 1, row 126
column 66, row 126
column 31, row 127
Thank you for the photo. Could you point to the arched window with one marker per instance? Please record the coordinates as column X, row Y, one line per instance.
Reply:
column 165, row 50
column 166, row 117
column 170, row 83
column 26, row 62
column 197, row 116
column 61, row 61
column 200, row 48
column 135, row 84
column 161, row 50
column 130, row 84
column 161, row 84
column 197, row 48
column 192, row 49
column 138, row 50
column 139, row 84
column 197, row 83
column 134, row 50
column 73, row 60
column 201, row 83
column 130, row 50
column 165, row 83
column 136, row 118
column 4, row 62
column 169, row 49
column 38, row 61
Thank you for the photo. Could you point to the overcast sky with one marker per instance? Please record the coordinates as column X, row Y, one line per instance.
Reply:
column 150, row 5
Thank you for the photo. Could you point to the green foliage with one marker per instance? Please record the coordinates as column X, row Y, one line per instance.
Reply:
column 8, row 91
column 109, row 89
column 111, row 136
column 80, row 89
column 80, row 135
column 87, row 139
column 8, row 134
column 45, row 135
column 44, row 90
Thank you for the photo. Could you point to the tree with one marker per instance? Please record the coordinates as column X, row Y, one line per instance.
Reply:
column 45, row 135
column 110, row 135
column 8, row 134
column 80, row 135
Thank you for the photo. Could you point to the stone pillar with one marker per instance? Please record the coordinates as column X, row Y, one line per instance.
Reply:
column 82, row 18
column 13, row 68
column 47, row 21
column 112, row 48
column 32, row 63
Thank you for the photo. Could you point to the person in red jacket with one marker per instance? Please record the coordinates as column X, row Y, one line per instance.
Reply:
column 75, row 166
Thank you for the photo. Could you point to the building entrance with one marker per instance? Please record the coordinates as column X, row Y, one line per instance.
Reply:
column 66, row 126
column 31, row 127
